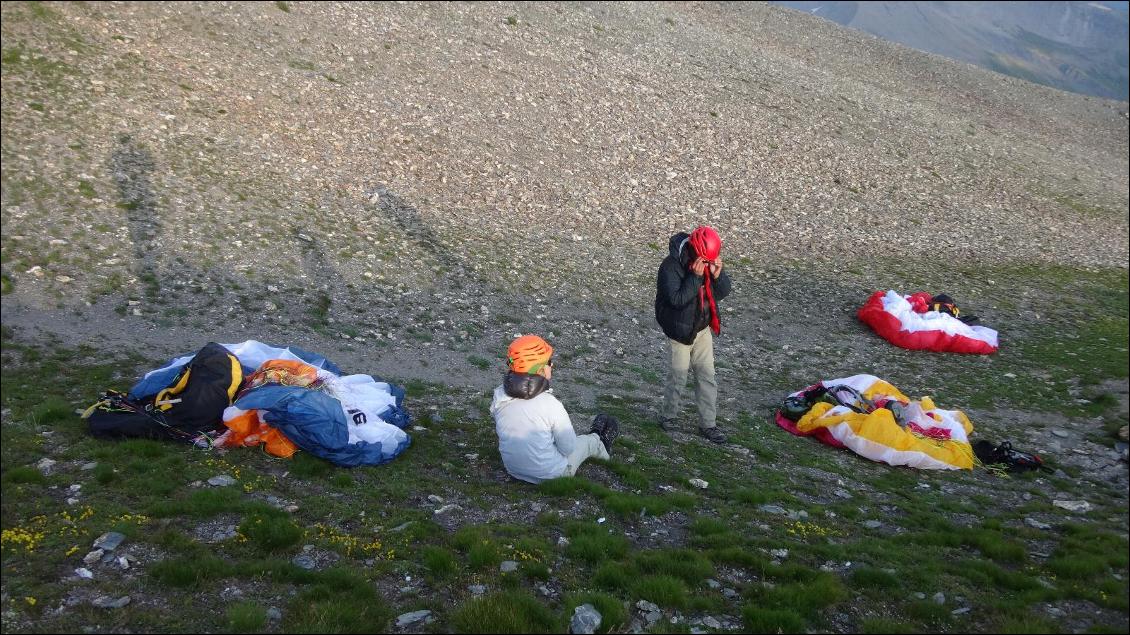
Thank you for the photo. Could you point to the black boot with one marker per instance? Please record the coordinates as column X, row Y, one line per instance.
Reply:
column 607, row 428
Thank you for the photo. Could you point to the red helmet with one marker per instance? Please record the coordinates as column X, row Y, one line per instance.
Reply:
column 706, row 242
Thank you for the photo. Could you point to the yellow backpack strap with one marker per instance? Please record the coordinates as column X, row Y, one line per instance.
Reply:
column 236, row 377
column 166, row 394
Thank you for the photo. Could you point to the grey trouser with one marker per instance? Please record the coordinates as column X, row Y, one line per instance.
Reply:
column 699, row 357
column 588, row 446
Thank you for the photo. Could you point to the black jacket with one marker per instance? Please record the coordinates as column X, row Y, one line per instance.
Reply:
column 676, row 293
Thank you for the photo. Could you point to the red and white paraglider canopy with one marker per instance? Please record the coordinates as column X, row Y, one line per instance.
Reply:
column 905, row 322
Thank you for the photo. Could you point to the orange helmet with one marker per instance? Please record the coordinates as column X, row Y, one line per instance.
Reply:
column 528, row 354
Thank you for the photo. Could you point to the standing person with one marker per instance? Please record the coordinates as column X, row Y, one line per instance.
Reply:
column 691, row 282
column 535, row 436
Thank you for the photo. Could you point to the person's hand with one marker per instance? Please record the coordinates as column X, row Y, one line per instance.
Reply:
column 698, row 266
column 716, row 268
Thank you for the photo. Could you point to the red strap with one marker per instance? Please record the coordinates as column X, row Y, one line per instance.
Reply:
column 705, row 294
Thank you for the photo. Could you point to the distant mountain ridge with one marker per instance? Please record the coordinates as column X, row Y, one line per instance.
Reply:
column 1075, row 46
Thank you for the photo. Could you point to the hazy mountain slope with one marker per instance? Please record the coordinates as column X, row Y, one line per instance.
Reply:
column 1076, row 46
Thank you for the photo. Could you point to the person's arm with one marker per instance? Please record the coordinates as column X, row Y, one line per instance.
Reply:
column 721, row 285
column 564, row 437
column 678, row 292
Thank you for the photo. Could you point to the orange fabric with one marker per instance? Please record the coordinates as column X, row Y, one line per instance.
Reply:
column 247, row 430
column 283, row 371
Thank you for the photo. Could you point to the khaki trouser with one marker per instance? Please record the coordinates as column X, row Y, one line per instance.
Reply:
column 588, row 446
column 699, row 357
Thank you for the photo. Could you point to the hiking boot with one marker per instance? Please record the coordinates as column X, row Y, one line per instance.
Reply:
column 607, row 428
column 713, row 433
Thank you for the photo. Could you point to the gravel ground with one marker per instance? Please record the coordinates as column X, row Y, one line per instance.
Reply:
column 432, row 179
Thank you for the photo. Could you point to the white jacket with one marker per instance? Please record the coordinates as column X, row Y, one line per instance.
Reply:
column 534, row 435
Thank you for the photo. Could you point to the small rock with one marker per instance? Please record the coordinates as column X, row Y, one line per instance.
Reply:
column 1078, row 507
column 402, row 527
column 477, row 589
column 872, row 524
column 651, row 612
column 1060, row 432
column 646, row 606
column 508, row 566
column 405, row 619
column 562, row 542
column 46, row 465
column 842, row 493
column 274, row 614
column 699, row 483
column 104, row 602
column 1035, row 524
column 123, row 563
column 773, row 509
column 447, row 509
column 961, row 611
column 586, row 619
column 86, row 467
column 222, row 480
column 304, row 561
column 714, row 584
column 711, row 622
column 920, row 596
column 471, row 456
column 93, row 557
column 939, row 598
column 537, row 508
column 729, row 593
column 796, row 514
column 779, row 553
column 109, row 541
column 432, row 498
column 84, row 573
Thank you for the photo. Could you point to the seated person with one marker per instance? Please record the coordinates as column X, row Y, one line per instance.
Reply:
column 535, row 436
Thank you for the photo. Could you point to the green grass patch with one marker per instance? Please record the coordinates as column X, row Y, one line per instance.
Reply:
column 663, row 590
column 505, row 612
column 808, row 597
column 483, row 555
column 24, row 475
column 270, row 533
column 439, row 562
column 246, row 617
column 592, row 543
column 479, row 362
column 759, row 619
column 341, row 602
column 872, row 578
column 190, row 572
column 685, row 564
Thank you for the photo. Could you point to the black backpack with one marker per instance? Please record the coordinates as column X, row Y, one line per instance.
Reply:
column 191, row 405
column 1004, row 454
